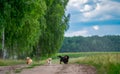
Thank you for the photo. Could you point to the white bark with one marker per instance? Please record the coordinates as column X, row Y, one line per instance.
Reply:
column 3, row 44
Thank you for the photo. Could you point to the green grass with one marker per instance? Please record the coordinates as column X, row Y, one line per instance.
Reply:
column 105, row 62
column 18, row 62
column 10, row 62
column 7, row 62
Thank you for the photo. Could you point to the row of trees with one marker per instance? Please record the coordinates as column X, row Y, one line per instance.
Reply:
column 32, row 27
column 91, row 44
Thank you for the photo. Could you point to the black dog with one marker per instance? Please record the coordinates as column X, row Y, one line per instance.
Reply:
column 64, row 59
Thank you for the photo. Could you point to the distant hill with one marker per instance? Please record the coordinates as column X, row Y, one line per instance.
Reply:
column 90, row 44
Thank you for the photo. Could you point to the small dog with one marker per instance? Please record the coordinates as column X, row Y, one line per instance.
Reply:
column 49, row 61
column 28, row 60
column 64, row 59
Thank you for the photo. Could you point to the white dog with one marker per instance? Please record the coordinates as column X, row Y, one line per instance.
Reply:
column 49, row 61
column 28, row 60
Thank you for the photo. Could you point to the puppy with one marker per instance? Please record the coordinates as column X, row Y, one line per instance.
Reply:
column 64, row 59
column 28, row 60
column 49, row 61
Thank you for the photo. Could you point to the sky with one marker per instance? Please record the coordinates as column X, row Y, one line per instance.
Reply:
column 93, row 17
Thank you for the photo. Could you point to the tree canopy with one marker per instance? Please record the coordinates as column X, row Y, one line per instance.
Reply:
column 32, row 27
column 91, row 44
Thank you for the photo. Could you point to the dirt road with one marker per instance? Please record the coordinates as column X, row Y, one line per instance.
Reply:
column 59, row 69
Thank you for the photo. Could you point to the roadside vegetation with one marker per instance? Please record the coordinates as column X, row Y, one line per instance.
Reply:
column 105, row 62
column 10, row 62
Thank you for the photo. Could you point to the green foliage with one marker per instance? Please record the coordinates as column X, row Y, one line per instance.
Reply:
column 56, row 23
column 32, row 27
column 113, row 68
column 88, row 44
column 22, row 28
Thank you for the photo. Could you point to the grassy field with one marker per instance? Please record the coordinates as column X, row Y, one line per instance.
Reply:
column 11, row 62
column 105, row 62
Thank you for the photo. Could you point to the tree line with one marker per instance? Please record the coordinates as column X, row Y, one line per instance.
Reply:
column 108, row 43
column 32, row 27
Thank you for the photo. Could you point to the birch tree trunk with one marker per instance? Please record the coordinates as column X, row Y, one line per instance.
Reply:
column 3, row 44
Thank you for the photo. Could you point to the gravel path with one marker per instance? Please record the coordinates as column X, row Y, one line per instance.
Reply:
column 55, row 69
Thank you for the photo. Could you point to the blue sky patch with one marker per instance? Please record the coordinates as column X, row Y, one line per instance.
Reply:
column 93, row 17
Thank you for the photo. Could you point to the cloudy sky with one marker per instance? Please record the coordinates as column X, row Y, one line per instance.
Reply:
column 93, row 17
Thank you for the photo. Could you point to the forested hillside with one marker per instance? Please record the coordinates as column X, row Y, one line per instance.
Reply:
column 88, row 44
column 32, row 27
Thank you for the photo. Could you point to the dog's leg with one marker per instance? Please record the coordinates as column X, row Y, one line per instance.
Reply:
column 60, row 62
column 49, row 62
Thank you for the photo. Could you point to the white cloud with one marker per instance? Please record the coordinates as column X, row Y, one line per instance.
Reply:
column 74, row 3
column 90, row 31
column 97, row 10
column 77, row 2
column 86, row 8
column 96, row 27
column 93, row 11
column 77, row 33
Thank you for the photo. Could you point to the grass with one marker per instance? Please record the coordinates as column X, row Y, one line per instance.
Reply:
column 18, row 62
column 105, row 62
column 10, row 62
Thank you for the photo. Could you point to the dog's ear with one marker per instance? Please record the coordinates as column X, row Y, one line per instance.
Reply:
column 59, row 56
column 66, row 56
